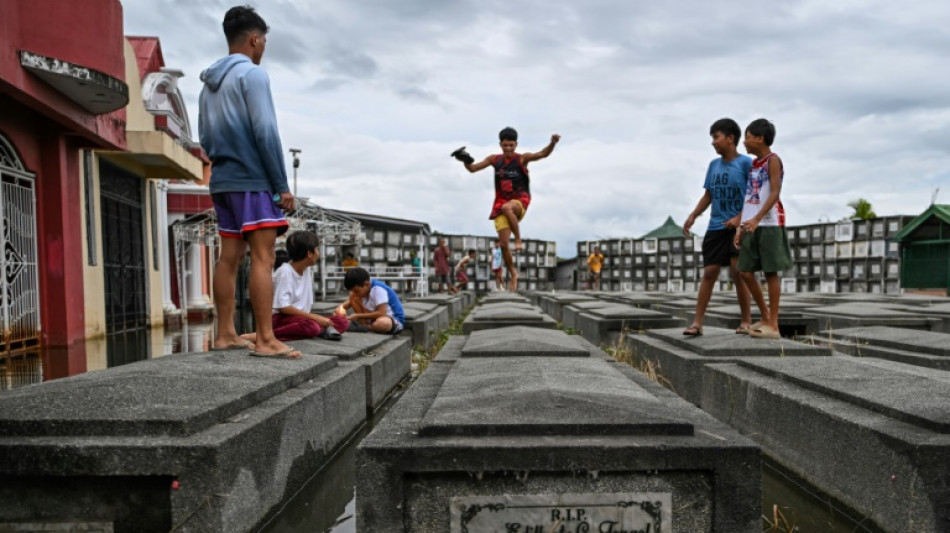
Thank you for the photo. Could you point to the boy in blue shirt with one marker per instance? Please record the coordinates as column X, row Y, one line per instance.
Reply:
column 376, row 307
column 725, row 192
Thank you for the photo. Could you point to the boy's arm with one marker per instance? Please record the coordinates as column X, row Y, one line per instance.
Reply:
column 341, row 309
column 263, row 118
column 528, row 157
column 378, row 313
column 701, row 206
column 775, row 189
column 482, row 165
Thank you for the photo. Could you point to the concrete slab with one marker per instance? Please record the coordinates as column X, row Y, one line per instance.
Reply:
column 553, row 304
column 226, row 483
column 872, row 434
column 522, row 341
column 849, row 315
column 496, row 316
column 455, row 303
column 570, row 312
column 681, row 359
column 495, row 397
column 606, row 324
column 410, row 481
column 425, row 321
column 503, row 297
column 923, row 348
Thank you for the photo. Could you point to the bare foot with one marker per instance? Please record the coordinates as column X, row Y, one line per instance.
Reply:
column 518, row 245
column 225, row 343
column 276, row 349
column 513, row 282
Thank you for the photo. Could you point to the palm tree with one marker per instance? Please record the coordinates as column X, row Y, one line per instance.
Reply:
column 862, row 210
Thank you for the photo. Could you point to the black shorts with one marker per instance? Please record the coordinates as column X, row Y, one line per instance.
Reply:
column 719, row 247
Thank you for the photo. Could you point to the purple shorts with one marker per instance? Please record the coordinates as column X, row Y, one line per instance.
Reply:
column 243, row 212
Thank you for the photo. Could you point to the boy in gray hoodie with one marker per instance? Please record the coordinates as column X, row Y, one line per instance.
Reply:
column 237, row 126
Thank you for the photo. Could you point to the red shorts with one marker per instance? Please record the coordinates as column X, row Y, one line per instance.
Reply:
column 461, row 277
column 525, row 199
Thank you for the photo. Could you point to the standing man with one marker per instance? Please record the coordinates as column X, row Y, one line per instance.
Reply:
column 238, row 129
column 512, row 190
column 440, row 260
column 595, row 263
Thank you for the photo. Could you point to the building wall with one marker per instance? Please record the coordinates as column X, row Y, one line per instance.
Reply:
column 847, row 256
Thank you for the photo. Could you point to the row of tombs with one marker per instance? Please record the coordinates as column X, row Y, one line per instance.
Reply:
column 522, row 422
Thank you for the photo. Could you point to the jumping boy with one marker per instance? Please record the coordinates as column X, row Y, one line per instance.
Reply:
column 293, row 295
column 460, row 267
column 761, row 235
column 376, row 306
column 725, row 191
column 512, row 190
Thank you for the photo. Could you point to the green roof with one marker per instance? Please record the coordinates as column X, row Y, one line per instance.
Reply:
column 941, row 211
column 668, row 230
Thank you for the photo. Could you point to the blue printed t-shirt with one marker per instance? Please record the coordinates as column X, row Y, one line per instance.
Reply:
column 726, row 185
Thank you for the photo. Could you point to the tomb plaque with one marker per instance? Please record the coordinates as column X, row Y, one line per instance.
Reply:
column 642, row 512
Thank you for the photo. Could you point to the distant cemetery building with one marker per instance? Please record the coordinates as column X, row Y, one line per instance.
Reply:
column 925, row 251
column 845, row 256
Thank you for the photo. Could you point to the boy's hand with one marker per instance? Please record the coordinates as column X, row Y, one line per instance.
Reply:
column 555, row 138
column 286, row 201
column 690, row 220
column 738, row 238
column 732, row 223
column 339, row 311
column 749, row 225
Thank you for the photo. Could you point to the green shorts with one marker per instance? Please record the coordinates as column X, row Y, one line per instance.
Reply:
column 765, row 250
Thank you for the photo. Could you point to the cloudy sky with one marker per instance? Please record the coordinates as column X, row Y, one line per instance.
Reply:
column 377, row 93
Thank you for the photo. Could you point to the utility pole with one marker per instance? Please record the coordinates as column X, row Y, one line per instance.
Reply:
column 294, row 152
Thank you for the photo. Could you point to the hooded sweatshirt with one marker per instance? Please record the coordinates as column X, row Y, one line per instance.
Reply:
column 237, row 127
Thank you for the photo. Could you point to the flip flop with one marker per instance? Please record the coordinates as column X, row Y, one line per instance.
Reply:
column 743, row 330
column 280, row 355
column 693, row 331
column 765, row 332
column 246, row 345
column 330, row 333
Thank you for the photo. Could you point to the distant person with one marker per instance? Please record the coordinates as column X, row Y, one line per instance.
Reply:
column 496, row 264
column 460, row 267
column 440, row 260
column 761, row 236
column 512, row 190
column 595, row 263
column 376, row 306
column 293, row 295
column 237, row 128
column 725, row 192
column 416, row 263
column 349, row 262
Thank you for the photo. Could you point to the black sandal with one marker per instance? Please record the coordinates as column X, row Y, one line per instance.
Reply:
column 693, row 331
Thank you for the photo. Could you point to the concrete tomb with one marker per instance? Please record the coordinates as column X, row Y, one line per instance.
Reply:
column 922, row 348
column 528, row 441
column 682, row 359
column 849, row 315
column 208, row 442
column 501, row 315
column 873, row 434
column 606, row 324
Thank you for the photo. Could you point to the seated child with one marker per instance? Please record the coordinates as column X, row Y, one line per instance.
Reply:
column 376, row 307
column 460, row 274
column 293, row 295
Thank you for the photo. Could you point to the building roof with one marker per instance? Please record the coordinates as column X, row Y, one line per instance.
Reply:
column 940, row 211
column 386, row 222
column 668, row 230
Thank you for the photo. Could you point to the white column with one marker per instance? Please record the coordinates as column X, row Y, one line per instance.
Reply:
column 168, row 306
column 196, row 300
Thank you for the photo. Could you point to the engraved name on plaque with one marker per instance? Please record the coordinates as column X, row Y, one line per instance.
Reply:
column 640, row 512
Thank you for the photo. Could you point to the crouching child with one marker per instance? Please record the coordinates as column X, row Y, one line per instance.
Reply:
column 375, row 305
